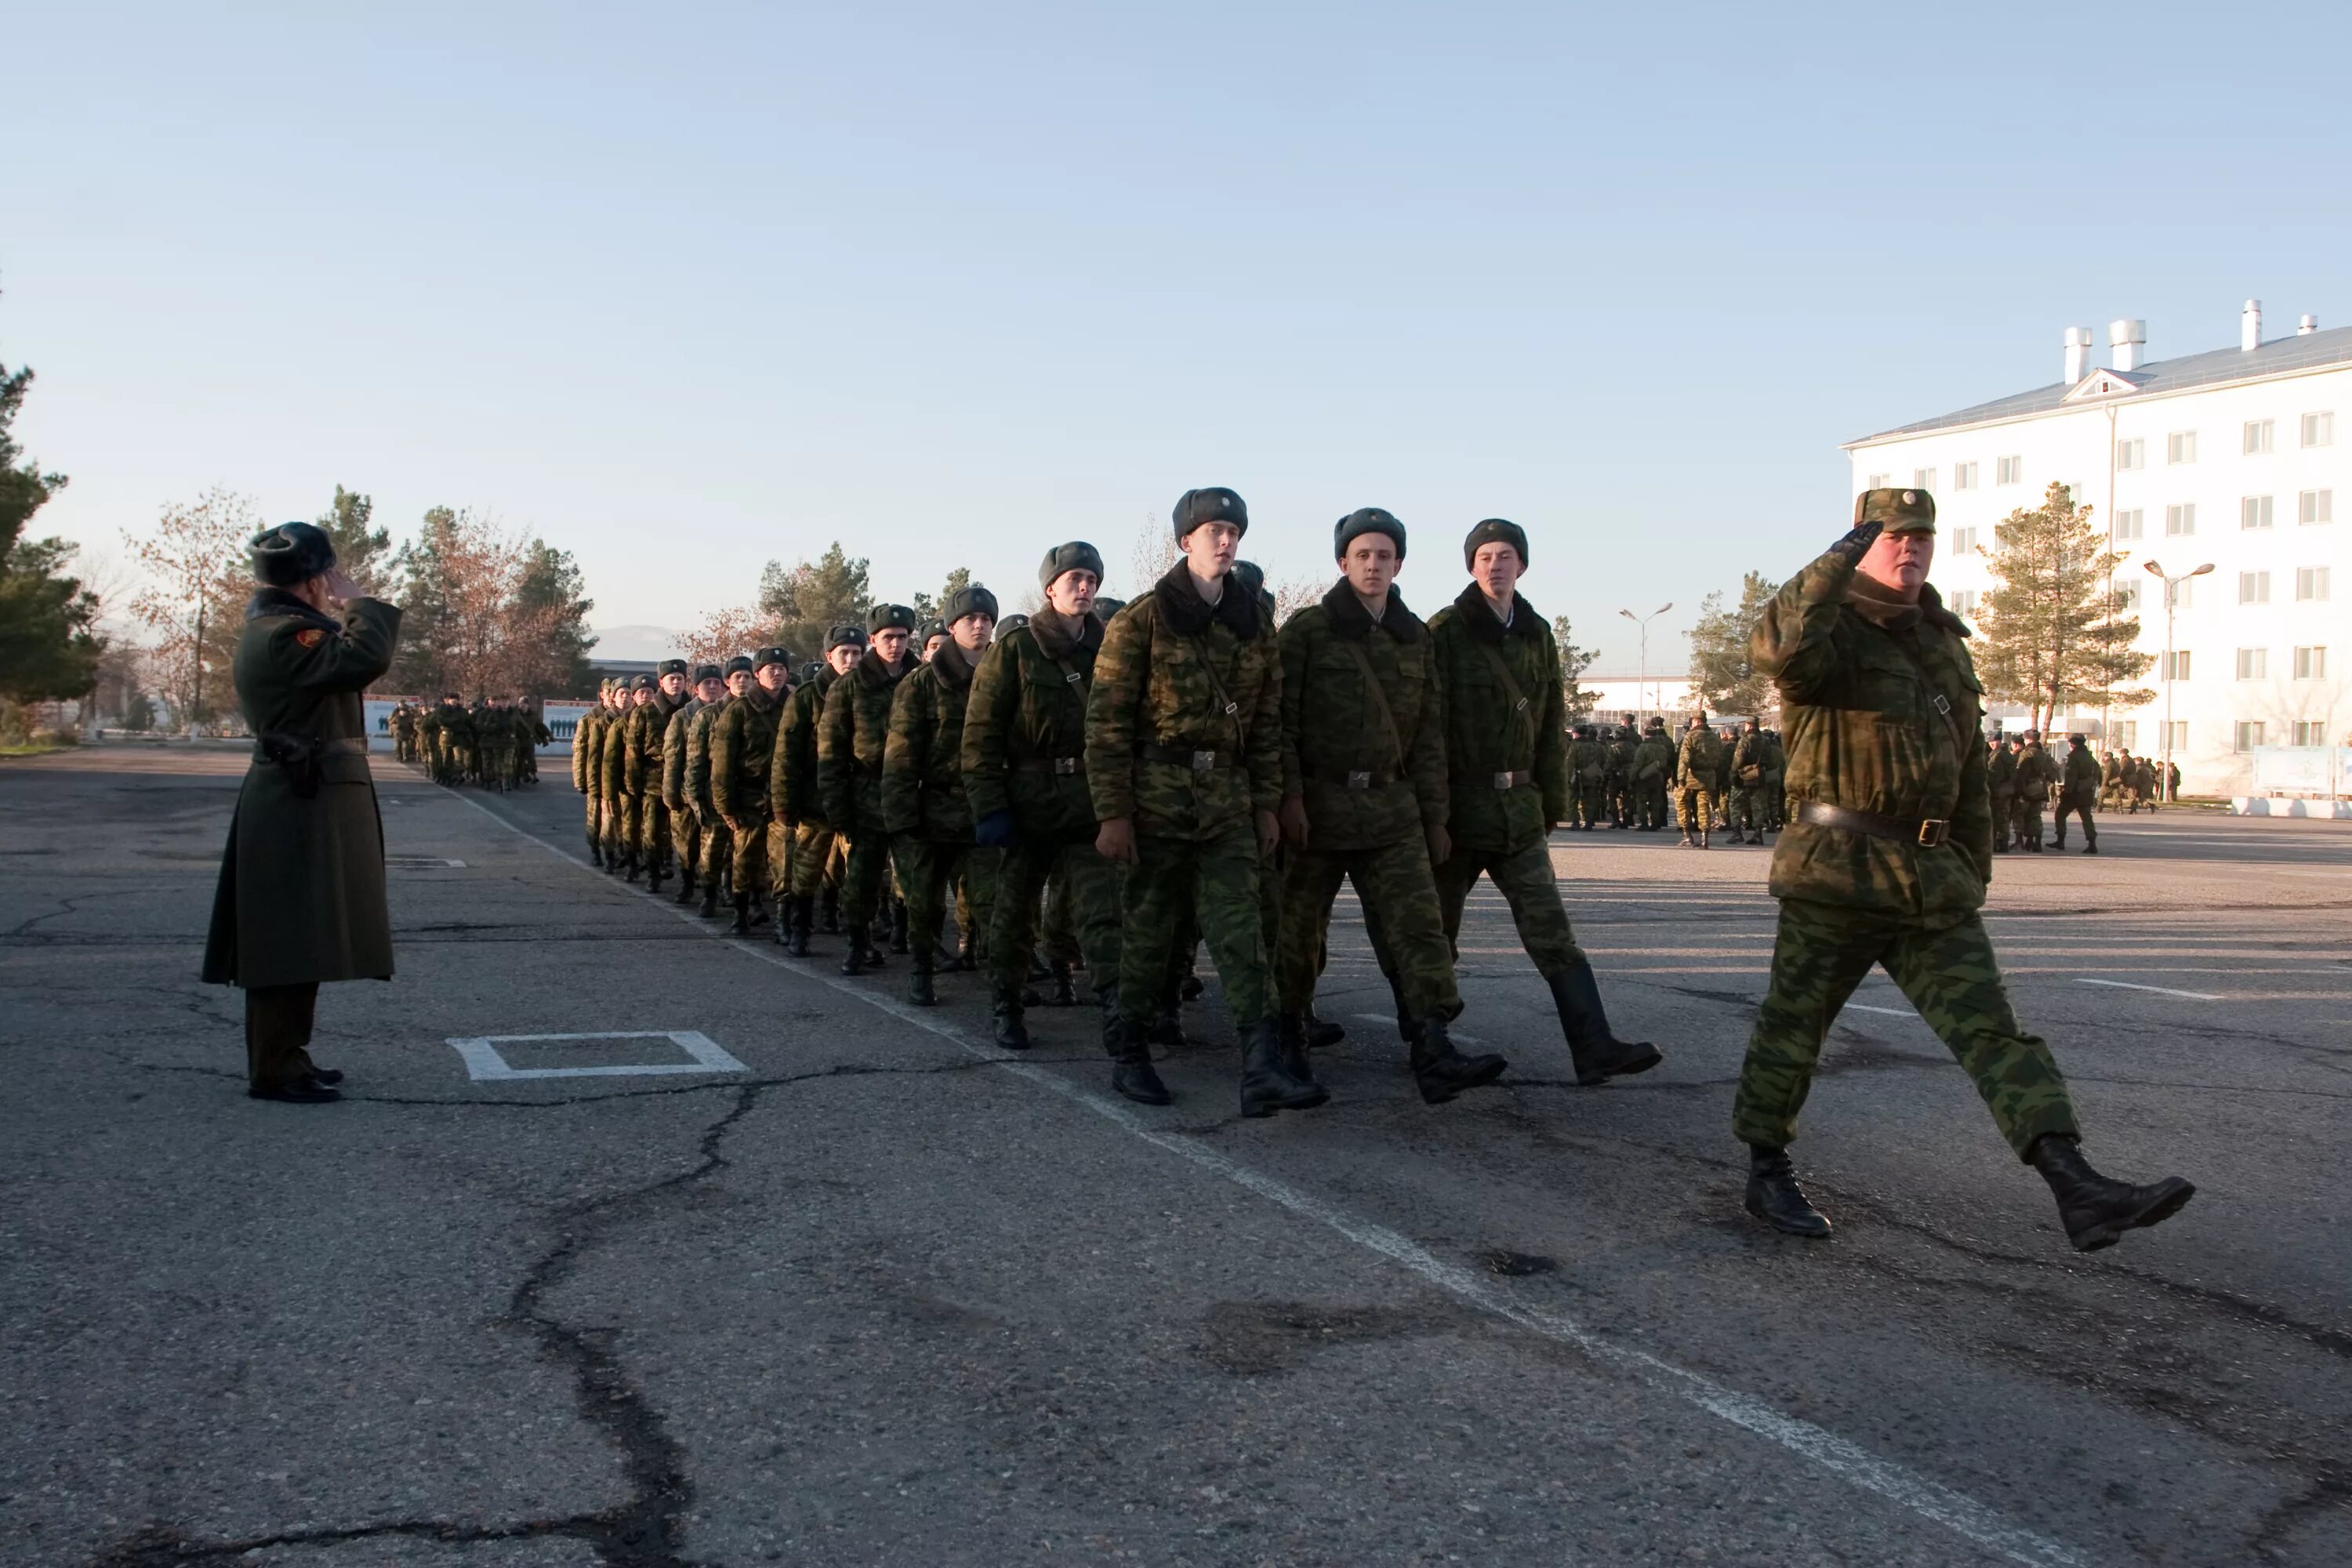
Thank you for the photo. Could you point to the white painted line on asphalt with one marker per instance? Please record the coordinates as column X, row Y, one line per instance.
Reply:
column 2159, row 990
column 1454, row 1034
column 1890, row 1012
column 1847, row 1460
column 485, row 1065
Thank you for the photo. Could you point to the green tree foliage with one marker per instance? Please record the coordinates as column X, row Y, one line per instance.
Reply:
column 1721, row 673
column 48, row 647
column 800, row 602
column 1573, row 662
column 487, row 612
column 364, row 553
column 929, row 607
column 553, row 595
column 2053, row 631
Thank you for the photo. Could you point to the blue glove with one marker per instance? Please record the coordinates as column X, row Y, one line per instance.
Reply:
column 993, row 831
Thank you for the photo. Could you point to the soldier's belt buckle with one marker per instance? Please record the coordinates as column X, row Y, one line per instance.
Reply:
column 1504, row 781
column 1359, row 781
column 1204, row 762
column 1934, row 831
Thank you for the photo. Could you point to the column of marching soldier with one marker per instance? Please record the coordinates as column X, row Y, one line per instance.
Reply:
column 492, row 744
column 1128, row 781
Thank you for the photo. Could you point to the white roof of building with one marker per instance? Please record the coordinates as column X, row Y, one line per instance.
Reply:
column 2281, row 356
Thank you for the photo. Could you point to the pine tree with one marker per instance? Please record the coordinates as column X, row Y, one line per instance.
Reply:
column 1574, row 661
column 2053, row 631
column 803, row 602
column 1722, row 675
column 48, row 650
column 361, row 554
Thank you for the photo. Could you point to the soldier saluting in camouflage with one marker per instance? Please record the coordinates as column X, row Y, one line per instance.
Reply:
column 1886, row 863
column 1185, row 759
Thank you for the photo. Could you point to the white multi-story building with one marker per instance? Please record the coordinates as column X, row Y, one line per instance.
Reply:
column 2232, row 460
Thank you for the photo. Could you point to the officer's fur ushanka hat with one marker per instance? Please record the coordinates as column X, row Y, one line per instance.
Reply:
column 291, row 552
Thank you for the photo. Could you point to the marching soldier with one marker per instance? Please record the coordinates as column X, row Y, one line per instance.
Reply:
column 1184, row 762
column 686, row 828
column 1697, row 764
column 794, row 796
column 1499, row 663
column 531, row 734
column 1748, row 755
column 301, row 895
column 2000, row 790
column 494, row 745
column 923, row 803
column 849, row 772
column 742, row 749
column 2036, row 771
column 1776, row 780
column 2113, row 770
column 1887, row 863
column 1364, row 799
column 2078, row 792
column 586, row 777
column 718, row 867
column 404, row 732
column 1654, row 768
column 1588, row 770
column 612, row 756
column 642, row 738
column 1621, row 742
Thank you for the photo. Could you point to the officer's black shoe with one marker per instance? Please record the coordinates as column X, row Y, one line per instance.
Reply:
column 1190, row 988
column 710, row 901
column 2090, row 849
column 742, row 926
column 1293, row 1048
column 861, row 949
column 830, row 912
column 1266, row 1084
column 1443, row 1072
column 898, row 927
column 327, row 1075
column 1011, row 1034
column 919, row 985
column 1322, row 1033
column 2096, row 1210
column 1066, row 990
column 1774, row 1197
column 301, row 1089
column 1599, row 1054
column 1168, row 1032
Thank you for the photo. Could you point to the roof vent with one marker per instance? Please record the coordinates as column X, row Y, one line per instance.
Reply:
column 2129, row 338
column 2250, row 327
column 2308, row 326
column 2078, row 353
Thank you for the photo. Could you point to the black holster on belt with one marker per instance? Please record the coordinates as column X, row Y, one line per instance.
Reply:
column 298, row 756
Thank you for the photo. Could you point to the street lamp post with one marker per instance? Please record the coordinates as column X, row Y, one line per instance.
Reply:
column 2171, row 587
column 1641, row 694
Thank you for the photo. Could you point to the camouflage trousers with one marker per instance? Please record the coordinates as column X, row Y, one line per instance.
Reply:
column 1698, row 808
column 1089, row 886
column 718, row 847
column 811, row 853
column 1060, row 933
column 1948, row 973
column 1525, row 879
column 1590, row 804
column 929, row 876
column 1400, row 897
column 594, row 804
column 748, row 860
column 652, row 831
column 1650, row 804
column 1746, row 807
column 2004, row 817
column 685, row 839
column 866, row 883
column 1218, row 880
column 2025, row 821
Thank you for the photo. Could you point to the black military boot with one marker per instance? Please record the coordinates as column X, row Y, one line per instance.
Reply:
column 1168, row 1032
column 1132, row 1076
column 829, row 920
column 899, row 925
column 796, row 927
column 655, row 876
column 2096, row 1210
column 1702, row 839
column 1293, row 1048
column 967, row 954
column 630, row 866
column 853, row 961
column 1266, row 1084
column 595, row 855
column 1688, row 842
column 919, row 985
column 1066, row 990
column 1322, row 1033
column 1190, row 988
column 1005, row 1011
column 1599, row 1054
column 759, row 909
column 742, row 926
column 709, row 910
column 1443, row 1072
column 686, row 884
column 1774, row 1197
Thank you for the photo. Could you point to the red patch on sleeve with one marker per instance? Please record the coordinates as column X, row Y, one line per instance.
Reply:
column 310, row 636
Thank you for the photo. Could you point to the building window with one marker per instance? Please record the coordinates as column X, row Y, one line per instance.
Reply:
column 2248, row 735
column 2315, row 506
column 2011, row 470
column 2253, row 587
column 2258, row 436
column 2128, row 523
column 2184, row 593
column 2126, row 734
column 2127, row 596
column 2180, row 518
column 2131, row 454
column 2178, row 740
column 2176, row 664
column 1964, row 541
column 2319, row 429
column 2310, row 582
column 2311, row 664
column 1963, row 602
column 1877, row 481
column 1923, row 478
column 1964, row 476
column 2180, row 447
column 2310, row 733
column 2254, row 511
column 2253, row 663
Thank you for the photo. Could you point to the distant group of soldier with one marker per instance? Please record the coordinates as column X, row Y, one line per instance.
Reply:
column 2024, row 779
column 493, row 744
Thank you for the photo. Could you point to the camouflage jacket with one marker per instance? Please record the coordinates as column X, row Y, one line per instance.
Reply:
column 1504, row 716
column 1180, row 675
column 2081, row 775
column 1859, row 698
column 1619, row 772
column 2000, row 772
column 1653, row 761
column 452, row 722
column 585, row 778
column 742, row 742
column 922, row 759
column 2112, row 772
column 641, row 743
column 1368, row 761
column 698, row 759
column 2036, row 771
column 1588, row 763
column 1748, row 761
column 792, row 793
column 1025, row 730
column 673, row 753
column 1775, row 760
column 1698, row 760
column 612, row 749
column 850, row 744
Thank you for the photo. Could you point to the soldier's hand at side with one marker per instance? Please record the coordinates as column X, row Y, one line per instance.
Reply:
column 1115, row 840
column 1441, row 846
column 1269, row 835
column 1857, row 542
column 1293, row 822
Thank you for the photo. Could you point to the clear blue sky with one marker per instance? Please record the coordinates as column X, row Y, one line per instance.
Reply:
column 684, row 287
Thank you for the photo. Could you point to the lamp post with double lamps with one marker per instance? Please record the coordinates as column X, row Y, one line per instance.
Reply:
column 2171, row 591
column 1641, row 695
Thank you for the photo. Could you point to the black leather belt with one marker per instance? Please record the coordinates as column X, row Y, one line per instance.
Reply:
column 1497, row 781
column 1361, row 778
column 1925, row 832
column 349, row 746
column 1199, row 762
column 1064, row 766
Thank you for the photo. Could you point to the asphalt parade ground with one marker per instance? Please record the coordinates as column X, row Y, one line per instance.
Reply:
column 636, row 1245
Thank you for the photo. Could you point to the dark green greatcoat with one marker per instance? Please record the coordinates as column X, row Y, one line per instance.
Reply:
column 302, row 894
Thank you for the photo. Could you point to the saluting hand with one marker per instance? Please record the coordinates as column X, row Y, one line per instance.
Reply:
column 340, row 587
column 1857, row 542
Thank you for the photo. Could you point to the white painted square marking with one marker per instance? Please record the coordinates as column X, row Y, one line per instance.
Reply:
column 484, row 1065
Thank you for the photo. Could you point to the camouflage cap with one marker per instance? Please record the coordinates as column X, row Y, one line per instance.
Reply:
column 670, row 666
column 1495, row 531
column 1360, row 521
column 890, row 618
column 1902, row 511
column 1214, row 503
column 845, row 635
column 971, row 600
column 703, row 672
column 1075, row 556
column 768, row 655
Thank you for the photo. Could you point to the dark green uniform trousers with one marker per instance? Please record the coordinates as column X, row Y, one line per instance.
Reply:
column 750, row 864
column 686, row 841
column 1823, row 951
column 928, row 875
column 718, row 850
column 653, row 829
column 277, row 1032
column 868, row 878
column 1091, row 886
column 1525, row 879
column 1400, row 901
column 1220, row 880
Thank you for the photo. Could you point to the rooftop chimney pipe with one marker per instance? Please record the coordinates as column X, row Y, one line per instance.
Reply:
column 2308, row 326
column 2250, row 327
column 2126, row 338
column 2078, row 353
